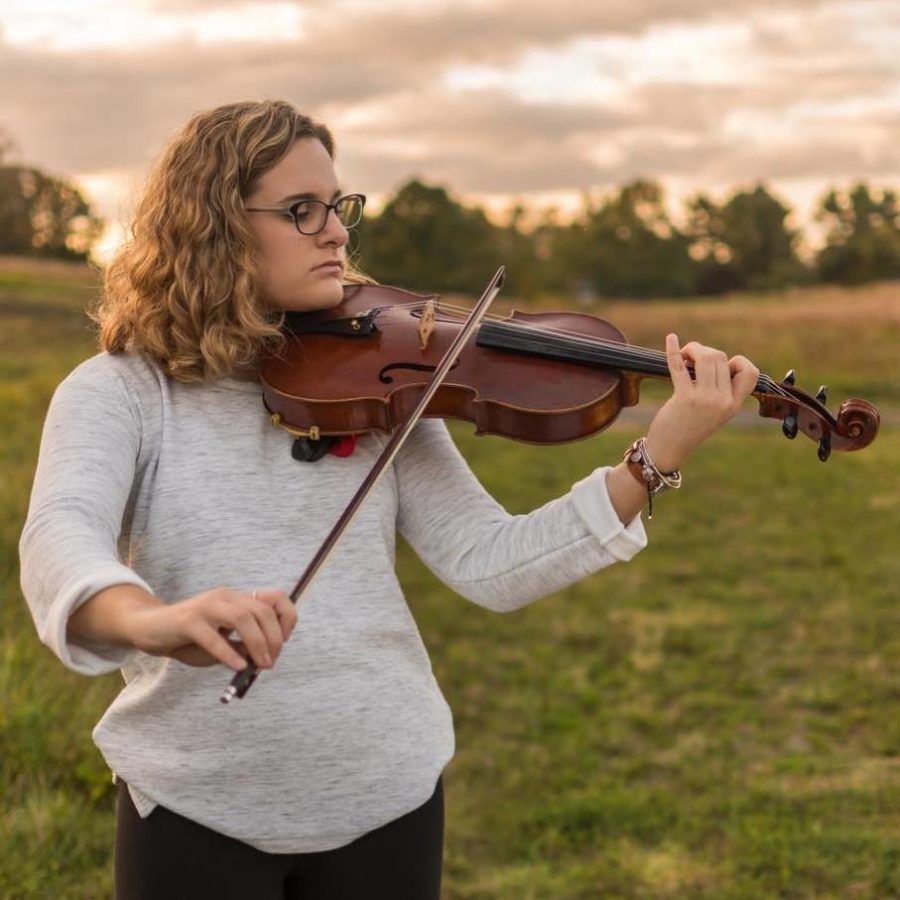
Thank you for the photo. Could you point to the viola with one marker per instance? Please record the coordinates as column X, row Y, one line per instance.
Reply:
column 544, row 377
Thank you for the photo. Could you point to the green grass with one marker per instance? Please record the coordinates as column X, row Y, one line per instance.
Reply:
column 715, row 719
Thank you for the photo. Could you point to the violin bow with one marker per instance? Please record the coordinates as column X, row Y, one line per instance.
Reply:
column 242, row 680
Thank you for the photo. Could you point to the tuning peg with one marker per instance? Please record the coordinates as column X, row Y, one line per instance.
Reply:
column 789, row 425
column 822, row 393
column 825, row 447
column 790, row 377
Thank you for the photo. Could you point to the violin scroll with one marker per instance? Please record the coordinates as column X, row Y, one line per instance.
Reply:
column 858, row 420
column 855, row 426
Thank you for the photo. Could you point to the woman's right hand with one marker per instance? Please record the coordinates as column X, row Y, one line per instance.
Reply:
column 217, row 626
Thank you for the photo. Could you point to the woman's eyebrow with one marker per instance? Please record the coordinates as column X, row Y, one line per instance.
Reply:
column 308, row 195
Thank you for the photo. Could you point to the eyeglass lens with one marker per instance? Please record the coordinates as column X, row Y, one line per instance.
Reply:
column 310, row 215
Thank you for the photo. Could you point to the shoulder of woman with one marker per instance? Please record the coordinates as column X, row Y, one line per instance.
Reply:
column 116, row 373
column 127, row 380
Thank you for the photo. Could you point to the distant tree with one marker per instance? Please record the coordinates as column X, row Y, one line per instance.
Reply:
column 41, row 215
column 526, row 273
column 743, row 244
column 863, row 239
column 425, row 240
column 627, row 246
column 7, row 144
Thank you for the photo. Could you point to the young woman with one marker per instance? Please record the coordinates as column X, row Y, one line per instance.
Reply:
column 168, row 518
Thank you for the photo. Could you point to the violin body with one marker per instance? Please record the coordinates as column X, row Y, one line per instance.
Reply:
column 543, row 378
column 384, row 371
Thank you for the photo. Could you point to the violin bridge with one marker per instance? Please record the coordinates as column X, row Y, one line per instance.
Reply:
column 426, row 324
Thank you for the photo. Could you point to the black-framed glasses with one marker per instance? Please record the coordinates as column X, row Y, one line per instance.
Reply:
column 310, row 216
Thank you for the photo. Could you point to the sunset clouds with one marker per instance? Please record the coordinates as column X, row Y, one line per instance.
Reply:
column 497, row 99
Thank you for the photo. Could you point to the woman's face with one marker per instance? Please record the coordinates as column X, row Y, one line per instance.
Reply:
column 294, row 278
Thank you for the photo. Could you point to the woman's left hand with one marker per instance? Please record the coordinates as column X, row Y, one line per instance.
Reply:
column 699, row 406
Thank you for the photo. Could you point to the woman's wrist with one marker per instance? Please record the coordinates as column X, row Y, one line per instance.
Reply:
column 666, row 456
column 111, row 615
column 647, row 473
column 626, row 495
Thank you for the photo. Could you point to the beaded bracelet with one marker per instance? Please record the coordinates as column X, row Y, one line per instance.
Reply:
column 645, row 471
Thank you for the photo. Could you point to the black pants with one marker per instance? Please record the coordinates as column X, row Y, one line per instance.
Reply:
column 169, row 857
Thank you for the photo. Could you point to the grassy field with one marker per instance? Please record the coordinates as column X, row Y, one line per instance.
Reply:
column 716, row 719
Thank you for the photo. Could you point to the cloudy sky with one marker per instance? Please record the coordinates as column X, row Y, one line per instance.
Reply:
column 499, row 100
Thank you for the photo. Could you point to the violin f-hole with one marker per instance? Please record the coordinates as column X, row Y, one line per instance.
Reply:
column 384, row 378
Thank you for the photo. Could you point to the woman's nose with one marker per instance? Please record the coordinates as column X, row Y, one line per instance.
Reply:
column 334, row 231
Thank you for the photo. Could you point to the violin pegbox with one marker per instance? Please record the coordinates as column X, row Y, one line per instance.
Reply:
column 789, row 423
column 854, row 427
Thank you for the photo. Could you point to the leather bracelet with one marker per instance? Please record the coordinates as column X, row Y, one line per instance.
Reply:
column 645, row 471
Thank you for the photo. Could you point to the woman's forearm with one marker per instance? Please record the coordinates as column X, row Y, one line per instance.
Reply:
column 627, row 495
column 108, row 616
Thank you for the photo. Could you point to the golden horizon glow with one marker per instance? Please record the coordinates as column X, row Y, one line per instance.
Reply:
column 536, row 110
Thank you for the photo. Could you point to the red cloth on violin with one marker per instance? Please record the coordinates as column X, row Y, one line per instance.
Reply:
column 344, row 446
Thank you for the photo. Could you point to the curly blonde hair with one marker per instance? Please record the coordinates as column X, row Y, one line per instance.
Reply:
column 186, row 288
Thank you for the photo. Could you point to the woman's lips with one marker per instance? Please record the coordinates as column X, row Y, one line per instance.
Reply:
column 330, row 269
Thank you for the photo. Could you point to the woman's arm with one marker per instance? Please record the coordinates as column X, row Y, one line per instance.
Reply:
column 502, row 561
column 492, row 558
column 193, row 630
column 107, row 617
column 89, row 606
column 69, row 545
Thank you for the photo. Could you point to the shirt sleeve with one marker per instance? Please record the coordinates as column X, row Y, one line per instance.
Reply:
column 69, row 544
column 497, row 560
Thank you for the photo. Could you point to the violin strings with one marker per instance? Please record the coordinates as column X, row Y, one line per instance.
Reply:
column 574, row 337
column 625, row 353
column 622, row 353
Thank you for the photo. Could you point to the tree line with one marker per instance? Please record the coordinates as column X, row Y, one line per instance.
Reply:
column 627, row 245
column 42, row 215
column 624, row 244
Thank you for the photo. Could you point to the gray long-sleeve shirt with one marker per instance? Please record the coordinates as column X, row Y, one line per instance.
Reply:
column 179, row 488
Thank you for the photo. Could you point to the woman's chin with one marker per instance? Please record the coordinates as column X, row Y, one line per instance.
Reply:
column 323, row 296
column 328, row 293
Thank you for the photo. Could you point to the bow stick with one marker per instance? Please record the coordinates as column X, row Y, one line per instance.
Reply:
column 242, row 680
